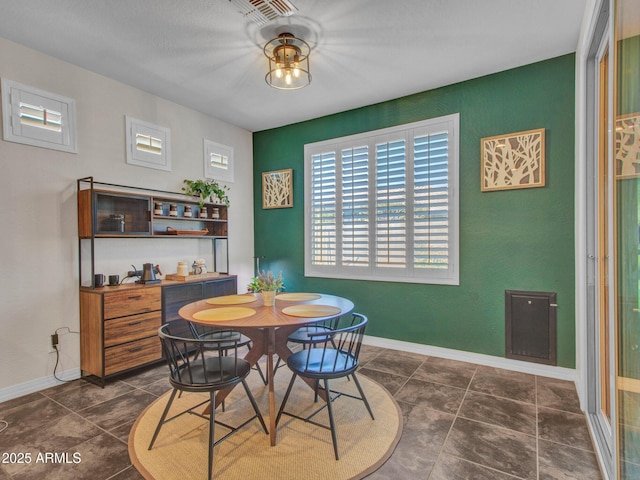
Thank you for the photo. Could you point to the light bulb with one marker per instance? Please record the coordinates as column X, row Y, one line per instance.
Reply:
column 287, row 79
column 278, row 73
column 296, row 72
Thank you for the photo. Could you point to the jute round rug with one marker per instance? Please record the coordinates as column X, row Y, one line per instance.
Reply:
column 303, row 450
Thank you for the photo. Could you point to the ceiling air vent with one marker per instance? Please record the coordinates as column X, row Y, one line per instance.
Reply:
column 263, row 11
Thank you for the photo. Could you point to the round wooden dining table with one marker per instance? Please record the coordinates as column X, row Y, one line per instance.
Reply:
column 268, row 327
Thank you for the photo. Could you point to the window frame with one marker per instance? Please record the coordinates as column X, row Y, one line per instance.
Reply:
column 218, row 173
column 140, row 157
column 14, row 130
column 408, row 274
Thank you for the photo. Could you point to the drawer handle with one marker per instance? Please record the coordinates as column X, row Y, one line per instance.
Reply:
column 135, row 297
column 137, row 349
column 131, row 324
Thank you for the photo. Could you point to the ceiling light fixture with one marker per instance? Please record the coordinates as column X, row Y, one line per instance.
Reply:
column 288, row 62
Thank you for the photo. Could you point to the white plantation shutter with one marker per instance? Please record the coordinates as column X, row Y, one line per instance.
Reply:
column 355, row 206
column 391, row 204
column 36, row 117
column 431, row 201
column 323, row 208
column 384, row 205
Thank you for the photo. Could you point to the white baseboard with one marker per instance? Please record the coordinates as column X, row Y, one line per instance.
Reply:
column 478, row 358
column 38, row 384
column 42, row 383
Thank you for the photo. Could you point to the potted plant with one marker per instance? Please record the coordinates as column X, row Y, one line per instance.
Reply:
column 205, row 189
column 267, row 284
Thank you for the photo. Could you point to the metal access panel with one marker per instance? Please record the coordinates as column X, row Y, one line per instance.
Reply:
column 530, row 326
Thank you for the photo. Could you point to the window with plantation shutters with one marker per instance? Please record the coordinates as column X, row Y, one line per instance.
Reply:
column 383, row 205
column 148, row 145
column 35, row 117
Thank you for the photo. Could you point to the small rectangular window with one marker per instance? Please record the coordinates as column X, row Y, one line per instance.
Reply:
column 38, row 118
column 218, row 161
column 148, row 145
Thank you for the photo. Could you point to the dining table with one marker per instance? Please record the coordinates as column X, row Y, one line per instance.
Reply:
column 268, row 327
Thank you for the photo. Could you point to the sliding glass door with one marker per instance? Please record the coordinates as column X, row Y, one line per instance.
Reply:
column 626, row 152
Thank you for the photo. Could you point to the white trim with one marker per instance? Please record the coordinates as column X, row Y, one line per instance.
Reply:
column 135, row 156
column 560, row 373
column 211, row 171
column 37, row 384
column 408, row 273
column 14, row 130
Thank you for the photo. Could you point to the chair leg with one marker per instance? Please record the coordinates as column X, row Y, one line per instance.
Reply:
column 316, row 387
column 332, row 423
column 212, row 422
column 286, row 397
column 259, row 369
column 277, row 366
column 162, row 418
column 255, row 406
column 364, row 399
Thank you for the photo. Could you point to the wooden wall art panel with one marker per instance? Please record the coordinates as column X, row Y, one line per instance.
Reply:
column 514, row 160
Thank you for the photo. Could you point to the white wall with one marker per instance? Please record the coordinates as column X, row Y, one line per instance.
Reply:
column 38, row 217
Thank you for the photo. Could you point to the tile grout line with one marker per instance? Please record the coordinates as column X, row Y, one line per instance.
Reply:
column 455, row 417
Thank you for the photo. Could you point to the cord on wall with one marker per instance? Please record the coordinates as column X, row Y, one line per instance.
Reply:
column 54, row 345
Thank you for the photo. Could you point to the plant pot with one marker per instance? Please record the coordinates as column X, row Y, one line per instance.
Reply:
column 268, row 297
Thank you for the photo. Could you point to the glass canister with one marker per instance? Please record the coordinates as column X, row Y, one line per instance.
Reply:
column 173, row 210
column 203, row 212
column 183, row 269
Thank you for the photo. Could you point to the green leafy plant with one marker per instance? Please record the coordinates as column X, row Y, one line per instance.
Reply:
column 253, row 285
column 205, row 189
column 266, row 281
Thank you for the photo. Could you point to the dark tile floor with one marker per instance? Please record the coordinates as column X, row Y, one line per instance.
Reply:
column 462, row 421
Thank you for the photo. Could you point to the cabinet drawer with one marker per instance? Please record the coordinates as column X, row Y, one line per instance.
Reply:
column 133, row 354
column 130, row 302
column 128, row 329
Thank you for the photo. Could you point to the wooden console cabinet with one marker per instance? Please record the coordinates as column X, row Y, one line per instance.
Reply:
column 119, row 328
column 119, row 325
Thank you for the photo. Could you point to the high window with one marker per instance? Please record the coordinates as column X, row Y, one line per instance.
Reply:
column 148, row 145
column 39, row 118
column 383, row 205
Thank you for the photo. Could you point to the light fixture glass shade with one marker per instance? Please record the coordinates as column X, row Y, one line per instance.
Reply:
column 288, row 62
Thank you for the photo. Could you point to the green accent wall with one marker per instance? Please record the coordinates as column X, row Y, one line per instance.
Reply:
column 509, row 240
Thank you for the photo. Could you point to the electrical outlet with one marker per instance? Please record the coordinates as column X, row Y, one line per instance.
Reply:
column 54, row 343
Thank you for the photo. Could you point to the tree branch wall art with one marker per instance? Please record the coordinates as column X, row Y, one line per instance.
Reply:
column 514, row 160
column 277, row 189
column 627, row 146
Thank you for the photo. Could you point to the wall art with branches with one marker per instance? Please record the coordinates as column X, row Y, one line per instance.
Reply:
column 277, row 189
column 514, row 160
column 627, row 146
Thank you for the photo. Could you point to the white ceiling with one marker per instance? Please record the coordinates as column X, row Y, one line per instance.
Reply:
column 205, row 55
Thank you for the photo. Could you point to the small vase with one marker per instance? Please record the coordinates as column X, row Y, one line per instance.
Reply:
column 268, row 297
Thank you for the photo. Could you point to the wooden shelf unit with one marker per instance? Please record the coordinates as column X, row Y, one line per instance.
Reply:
column 112, row 213
column 108, row 210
